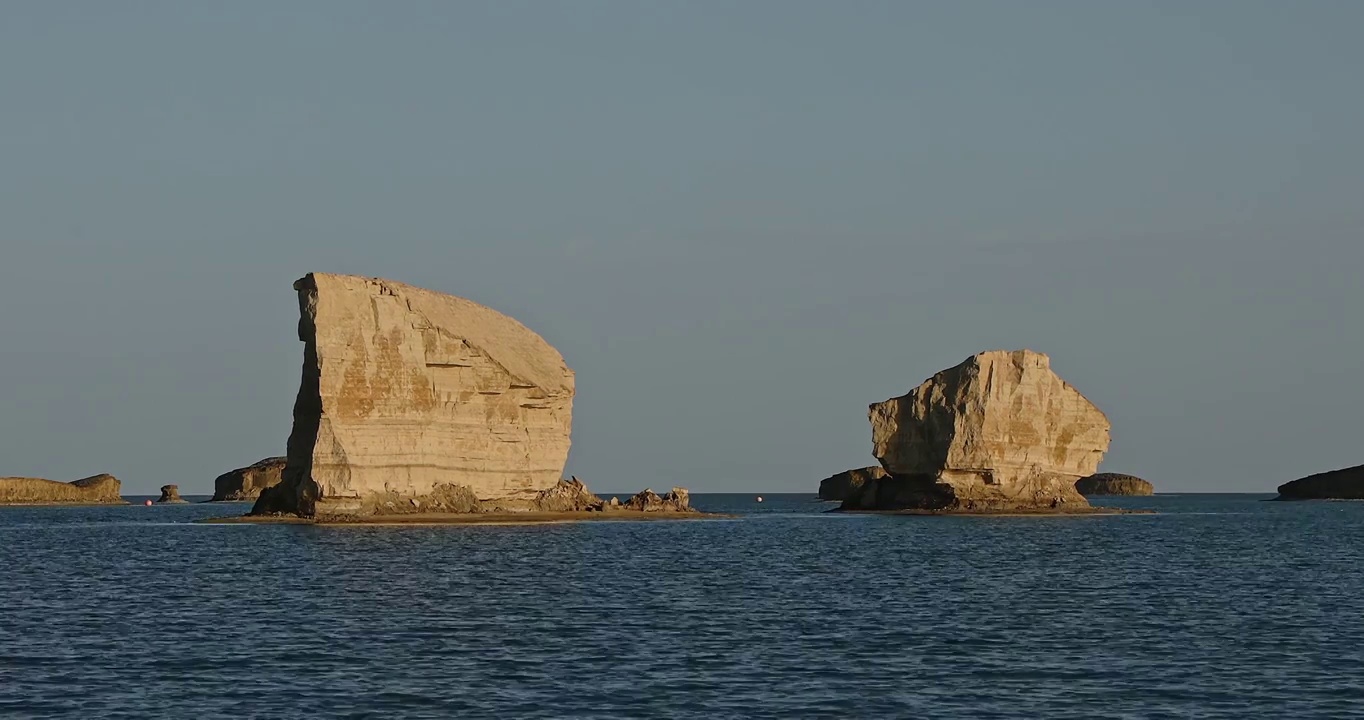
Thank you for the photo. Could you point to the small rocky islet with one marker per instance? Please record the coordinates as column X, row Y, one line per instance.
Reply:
column 1100, row 484
column 246, row 483
column 102, row 489
column 1343, row 484
column 1000, row 433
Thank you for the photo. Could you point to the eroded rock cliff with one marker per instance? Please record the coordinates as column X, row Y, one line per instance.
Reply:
column 1344, row 484
column 849, row 482
column 1000, row 432
column 1113, row 484
column 96, row 489
column 248, row 482
column 410, row 395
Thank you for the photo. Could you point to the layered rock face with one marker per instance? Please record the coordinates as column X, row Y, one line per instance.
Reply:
column 248, row 482
column 411, row 395
column 96, row 489
column 849, row 483
column 170, row 494
column 999, row 432
column 1345, row 484
column 1113, row 484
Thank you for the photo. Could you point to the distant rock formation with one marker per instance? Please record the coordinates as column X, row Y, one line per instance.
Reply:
column 676, row 500
column 170, row 494
column 248, row 482
column 998, row 433
column 1113, row 484
column 849, row 482
column 1345, row 484
column 407, row 394
column 94, row 490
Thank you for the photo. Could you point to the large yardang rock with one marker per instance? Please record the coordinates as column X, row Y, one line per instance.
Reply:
column 170, row 494
column 999, row 432
column 248, row 482
column 407, row 393
column 1346, row 484
column 94, row 490
column 849, row 483
column 1113, row 484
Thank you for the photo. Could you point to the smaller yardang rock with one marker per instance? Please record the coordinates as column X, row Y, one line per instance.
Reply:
column 170, row 494
column 848, row 483
column 1345, row 484
column 95, row 490
column 568, row 496
column 677, row 500
column 1113, row 484
column 247, row 483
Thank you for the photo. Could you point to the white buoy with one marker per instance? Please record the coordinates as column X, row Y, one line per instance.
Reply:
column 760, row 498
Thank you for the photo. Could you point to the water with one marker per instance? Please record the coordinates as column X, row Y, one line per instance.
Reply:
column 1220, row 606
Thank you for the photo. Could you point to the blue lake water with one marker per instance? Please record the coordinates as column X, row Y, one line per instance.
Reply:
column 1219, row 606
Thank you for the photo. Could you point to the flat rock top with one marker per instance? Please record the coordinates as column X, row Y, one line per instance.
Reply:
column 518, row 349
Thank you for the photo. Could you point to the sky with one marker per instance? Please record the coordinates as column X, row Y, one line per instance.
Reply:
column 739, row 222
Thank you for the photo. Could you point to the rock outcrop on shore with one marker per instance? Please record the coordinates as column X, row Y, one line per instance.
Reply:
column 1113, row 484
column 94, row 490
column 849, row 483
column 1000, row 432
column 1344, row 484
column 411, row 396
column 248, row 482
column 170, row 494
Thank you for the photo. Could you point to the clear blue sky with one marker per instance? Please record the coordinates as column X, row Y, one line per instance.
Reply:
column 740, row 222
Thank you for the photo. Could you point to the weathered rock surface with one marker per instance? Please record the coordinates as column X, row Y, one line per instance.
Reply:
column 568, row 496
column 96, row 489
column 676, row 500
column 1345, row 484
column 849, row 483
column 248, row 482
column 1000, row 432
column 407, row 393
column 170, row 494
column 1113, row 484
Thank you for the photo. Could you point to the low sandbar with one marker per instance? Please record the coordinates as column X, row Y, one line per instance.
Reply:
column 508, row 518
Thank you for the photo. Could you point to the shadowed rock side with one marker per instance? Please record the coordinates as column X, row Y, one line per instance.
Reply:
column 413, row 396
column 248, row 482
column 170, row 494
column 1345, row 484
column 998, row 433
column 848, row 483
column 1113, row 484
column 94, row 490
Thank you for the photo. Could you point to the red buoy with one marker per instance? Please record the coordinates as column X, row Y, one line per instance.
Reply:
column 149, row 503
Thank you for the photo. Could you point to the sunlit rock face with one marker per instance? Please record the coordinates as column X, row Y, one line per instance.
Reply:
column 409, row 394
column 247, row 483
column 998, row 432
